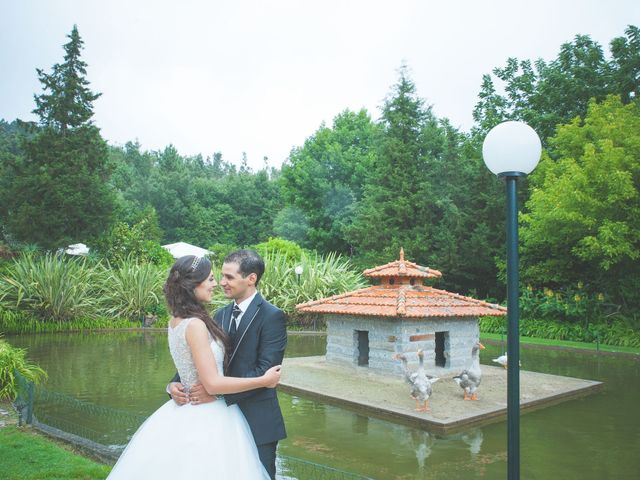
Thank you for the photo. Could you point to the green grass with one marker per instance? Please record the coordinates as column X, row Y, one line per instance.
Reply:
column 562, row 343
column 25, row 455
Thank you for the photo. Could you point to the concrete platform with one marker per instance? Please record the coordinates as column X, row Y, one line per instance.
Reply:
column 359, row 389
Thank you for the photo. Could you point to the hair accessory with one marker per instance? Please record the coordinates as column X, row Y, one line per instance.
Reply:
column 196, row 262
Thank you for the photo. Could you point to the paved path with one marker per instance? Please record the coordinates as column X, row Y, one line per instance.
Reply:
column 388, row 397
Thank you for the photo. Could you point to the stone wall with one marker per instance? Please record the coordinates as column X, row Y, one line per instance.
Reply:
column 388, row 336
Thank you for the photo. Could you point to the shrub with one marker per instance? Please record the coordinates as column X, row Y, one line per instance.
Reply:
column 14, row 360
column 132, row 289
column 291, row 250
column 610, row 333
column 139, row 242
column 321, row 277
column 50, row 287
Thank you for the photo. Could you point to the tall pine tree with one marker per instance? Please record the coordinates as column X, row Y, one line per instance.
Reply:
column 60, row 193
column 395, row 209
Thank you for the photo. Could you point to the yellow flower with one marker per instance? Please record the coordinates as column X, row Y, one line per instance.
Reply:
column 577, row 297
column 580, row 285
column 548, row 292
column 600, row 297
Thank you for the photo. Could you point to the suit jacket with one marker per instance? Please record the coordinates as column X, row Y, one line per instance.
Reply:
column 259, row 344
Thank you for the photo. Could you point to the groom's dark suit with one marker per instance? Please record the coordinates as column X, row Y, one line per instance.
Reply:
column 259, row 344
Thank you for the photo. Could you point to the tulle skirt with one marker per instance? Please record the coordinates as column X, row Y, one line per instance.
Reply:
column 208, row 441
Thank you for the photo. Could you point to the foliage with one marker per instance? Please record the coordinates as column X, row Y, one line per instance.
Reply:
column 396, row 193
column 199, row 201
column 20, row 322
column 139, row 241
column 323, row 180
column 69, row 101
column 322, row 276
column 613, row 333
column 545, row 94
column 14, row 360
column 131, row 289
column 51, row 287
column 220, row 252
column 57, row 189
column 289, row 249
column 582, row 224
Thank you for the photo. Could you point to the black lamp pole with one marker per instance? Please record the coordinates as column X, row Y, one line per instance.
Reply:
column 513, row 333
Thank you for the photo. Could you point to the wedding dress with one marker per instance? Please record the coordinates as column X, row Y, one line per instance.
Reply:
column 209, row 440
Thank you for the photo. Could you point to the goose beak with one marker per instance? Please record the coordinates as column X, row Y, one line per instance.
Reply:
column 481, row 346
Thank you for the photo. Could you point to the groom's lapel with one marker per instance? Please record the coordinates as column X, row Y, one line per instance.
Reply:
column 247, row 319
column 225, row 319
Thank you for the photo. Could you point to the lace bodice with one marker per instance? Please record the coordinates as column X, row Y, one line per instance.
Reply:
column 181, row 353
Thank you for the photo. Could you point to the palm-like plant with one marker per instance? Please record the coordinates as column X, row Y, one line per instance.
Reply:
column 320, row 277
column 14, row 360
column 50, row 287
column 132, row 289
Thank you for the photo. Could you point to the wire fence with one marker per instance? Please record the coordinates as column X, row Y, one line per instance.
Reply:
column 78, row 422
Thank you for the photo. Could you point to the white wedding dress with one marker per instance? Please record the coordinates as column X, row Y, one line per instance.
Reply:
column 208, row 441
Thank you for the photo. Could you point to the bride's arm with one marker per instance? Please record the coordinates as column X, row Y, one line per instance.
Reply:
column 198, row 340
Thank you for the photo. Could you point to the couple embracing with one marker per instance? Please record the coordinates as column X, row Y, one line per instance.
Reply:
column 223, row 421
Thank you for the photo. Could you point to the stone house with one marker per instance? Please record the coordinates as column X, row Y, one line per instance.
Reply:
column 367, row 327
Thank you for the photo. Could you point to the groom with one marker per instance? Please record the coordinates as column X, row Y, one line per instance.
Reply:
column 258, row 335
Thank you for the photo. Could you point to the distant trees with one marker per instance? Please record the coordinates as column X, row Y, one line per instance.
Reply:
column 546, row 94
column 361, row 187
column 58, row 191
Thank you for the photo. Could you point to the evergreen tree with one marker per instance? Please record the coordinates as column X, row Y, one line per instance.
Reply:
column 60, row 193
column 67, row 101
column 395, row 210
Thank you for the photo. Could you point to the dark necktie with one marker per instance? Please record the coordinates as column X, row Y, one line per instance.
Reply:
column 234, row 314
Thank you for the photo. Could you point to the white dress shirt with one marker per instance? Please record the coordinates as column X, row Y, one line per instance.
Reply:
column 243, row 307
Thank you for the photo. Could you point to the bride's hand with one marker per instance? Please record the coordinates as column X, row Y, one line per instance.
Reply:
column 272, row 376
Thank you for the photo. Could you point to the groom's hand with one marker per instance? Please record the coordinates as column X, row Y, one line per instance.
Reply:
column 176, row 390
column 199, row 395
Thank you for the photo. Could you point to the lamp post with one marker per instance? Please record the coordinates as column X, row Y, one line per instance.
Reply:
column 512, row 150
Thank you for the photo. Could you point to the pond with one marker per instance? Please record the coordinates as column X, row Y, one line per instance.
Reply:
column 596, row 437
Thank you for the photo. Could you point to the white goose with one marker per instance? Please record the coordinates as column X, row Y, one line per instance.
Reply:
column 469, row 379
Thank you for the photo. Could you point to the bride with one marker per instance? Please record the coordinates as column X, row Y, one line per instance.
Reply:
column 208, row 440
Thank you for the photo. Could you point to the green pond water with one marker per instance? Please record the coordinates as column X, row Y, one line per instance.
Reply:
column 597, row 437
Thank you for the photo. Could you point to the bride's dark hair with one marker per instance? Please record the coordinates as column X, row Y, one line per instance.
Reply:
column 185, row 275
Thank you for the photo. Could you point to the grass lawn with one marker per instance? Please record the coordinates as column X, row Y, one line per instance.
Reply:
column 26, row 455
column 495, row 337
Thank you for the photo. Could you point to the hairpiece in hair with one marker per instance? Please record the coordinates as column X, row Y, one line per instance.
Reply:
column 196, row 262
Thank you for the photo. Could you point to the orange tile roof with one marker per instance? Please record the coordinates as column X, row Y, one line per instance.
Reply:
column 402, row 268
column 398, row 296
column 403, row 301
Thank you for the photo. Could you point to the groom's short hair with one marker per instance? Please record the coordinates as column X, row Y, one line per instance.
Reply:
column 248, row 262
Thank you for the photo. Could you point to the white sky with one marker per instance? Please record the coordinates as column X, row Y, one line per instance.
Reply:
column 260, row 76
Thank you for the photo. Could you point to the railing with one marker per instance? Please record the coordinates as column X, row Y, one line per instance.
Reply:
column 43, row 410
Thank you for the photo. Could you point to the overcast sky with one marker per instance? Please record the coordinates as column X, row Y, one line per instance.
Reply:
column 260, row 76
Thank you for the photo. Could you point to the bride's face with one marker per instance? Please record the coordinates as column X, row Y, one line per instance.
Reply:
column 204, row 291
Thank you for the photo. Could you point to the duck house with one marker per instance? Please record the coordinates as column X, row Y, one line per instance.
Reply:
column 367, row 327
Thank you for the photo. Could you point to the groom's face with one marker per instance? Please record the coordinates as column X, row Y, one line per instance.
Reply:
column 234, row 284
